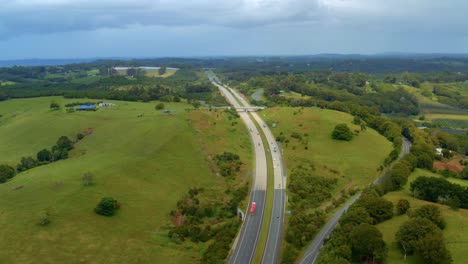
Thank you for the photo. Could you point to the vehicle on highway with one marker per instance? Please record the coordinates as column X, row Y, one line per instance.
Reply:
column 252, row 208
column 275, row 149
column 264, row 125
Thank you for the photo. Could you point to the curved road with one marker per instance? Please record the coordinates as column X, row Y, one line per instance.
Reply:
column 275, row 230
column 250, row 231
column 314, row 249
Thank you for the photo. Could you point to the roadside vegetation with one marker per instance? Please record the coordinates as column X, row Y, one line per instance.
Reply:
column 207, row 218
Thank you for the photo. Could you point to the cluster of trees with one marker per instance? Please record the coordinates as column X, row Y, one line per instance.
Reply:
column 422, row 235
column 228, row 163
column 421, row 156
column 306, row 192
column 439, row 190
column 450, row 142
column 341, row 87
column 140, row 88
column 198, row 214
column 58, row 151
column 450, row 96
column 357, row 239
column 307, row 189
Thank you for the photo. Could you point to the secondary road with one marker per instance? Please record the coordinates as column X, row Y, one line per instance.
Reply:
column 314, row 249
column 250, row 231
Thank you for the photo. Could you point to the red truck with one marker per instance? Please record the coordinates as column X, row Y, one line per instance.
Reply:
column 252, row 208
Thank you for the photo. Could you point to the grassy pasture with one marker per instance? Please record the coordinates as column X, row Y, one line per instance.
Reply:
column 455, row 234
column 4, row 83
column 155, row 73
column 353, row 163
column 147, row 163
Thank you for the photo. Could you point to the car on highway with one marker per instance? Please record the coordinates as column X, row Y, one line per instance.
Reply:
column 252, row 208
column 275, row 149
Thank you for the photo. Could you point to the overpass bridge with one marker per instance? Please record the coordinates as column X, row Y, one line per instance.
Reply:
column 249, row 109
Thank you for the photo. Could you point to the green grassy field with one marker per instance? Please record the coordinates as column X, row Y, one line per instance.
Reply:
column 4, row 83
column 147, row 163
column 455, row 234
column 155, row 73
column 354, row 163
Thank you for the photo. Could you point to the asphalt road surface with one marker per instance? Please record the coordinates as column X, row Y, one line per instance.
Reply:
column 314, row 249
column 275, row 230
column 246, row 242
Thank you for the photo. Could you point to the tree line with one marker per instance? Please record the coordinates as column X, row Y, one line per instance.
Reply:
column 45, row 156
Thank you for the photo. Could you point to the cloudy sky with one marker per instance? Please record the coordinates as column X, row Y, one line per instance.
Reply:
column 155, row 28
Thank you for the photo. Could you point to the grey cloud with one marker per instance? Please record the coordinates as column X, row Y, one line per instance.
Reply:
column 42, row 16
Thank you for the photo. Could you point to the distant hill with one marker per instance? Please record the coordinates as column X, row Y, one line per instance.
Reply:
column 43, row 62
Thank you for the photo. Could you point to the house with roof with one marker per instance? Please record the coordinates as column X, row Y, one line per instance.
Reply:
column 86, row 107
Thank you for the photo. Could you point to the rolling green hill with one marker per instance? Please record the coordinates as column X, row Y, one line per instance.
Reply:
column 354, row 163
column 145, row 159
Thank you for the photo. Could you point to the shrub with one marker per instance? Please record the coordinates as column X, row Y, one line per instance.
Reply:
column 44, row 218
column 342, row 132
column 6, row 173
column 107, row 206
column 402, row 206
column 79, row 136
column 159, row 106
column 54, row 106
column 88, row 179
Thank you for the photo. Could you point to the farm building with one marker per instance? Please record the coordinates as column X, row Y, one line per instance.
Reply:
column 86, row 108
column 105, row 104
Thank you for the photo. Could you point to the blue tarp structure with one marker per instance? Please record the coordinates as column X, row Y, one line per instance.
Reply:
column 86, row 107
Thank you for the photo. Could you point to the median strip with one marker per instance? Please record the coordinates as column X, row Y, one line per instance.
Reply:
column 269, row 198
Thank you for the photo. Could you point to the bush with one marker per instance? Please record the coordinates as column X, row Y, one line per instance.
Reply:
column 79, row 136
column 6, row 172
column 342, row 132
column 159, row 106
column 44, row 218
column 107, row 206
column 54, row 106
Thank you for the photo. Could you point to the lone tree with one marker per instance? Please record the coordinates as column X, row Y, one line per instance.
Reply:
column 107, row 206
column 342, row 132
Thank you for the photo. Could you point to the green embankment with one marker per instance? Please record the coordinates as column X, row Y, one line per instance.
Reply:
column 353, row 163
